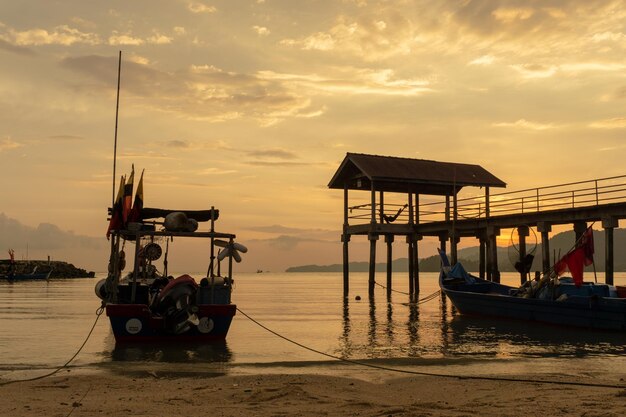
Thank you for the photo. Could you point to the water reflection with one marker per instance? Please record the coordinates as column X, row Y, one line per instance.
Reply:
column 436, row 329
column 500, row 337
column 217, row 351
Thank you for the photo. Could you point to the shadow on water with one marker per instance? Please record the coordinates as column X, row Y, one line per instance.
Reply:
column 173, row 353
column 529, row 339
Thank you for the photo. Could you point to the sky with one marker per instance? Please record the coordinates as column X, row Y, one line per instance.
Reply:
column 250, row 106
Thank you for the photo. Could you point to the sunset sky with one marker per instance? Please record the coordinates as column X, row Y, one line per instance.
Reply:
column 250, row 106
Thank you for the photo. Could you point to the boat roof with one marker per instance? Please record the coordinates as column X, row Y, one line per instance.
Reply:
column 398, row 174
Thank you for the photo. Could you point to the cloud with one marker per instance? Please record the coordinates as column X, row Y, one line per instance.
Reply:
column 530, row 71
column 60, row 35
column 7, row 144
column 46, row 236
column 483, row 60
column 19, row 50
column 198, row 92
column 66, row 138
column 118, row 39
column 180, row 144
column 614, row 123
column 199, row 7
column 261, row 31
column 273, row 153
column 525, row 124
column 371, row 36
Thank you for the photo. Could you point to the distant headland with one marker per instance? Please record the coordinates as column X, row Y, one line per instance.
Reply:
column 59, row 269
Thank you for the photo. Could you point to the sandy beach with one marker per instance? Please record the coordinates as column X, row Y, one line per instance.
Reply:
column 152, row 393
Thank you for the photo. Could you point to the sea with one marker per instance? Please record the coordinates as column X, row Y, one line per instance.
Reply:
column 295, row 322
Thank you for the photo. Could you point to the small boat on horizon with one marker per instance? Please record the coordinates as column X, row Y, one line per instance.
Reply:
column 32, row 276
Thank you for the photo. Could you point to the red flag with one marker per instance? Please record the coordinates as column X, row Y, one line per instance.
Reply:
column 577, row 259
column 128, row 197
column 116, row 211
column 135, row 212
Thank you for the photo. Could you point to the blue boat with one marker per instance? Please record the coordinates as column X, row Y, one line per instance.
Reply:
column 33, row 276
column 550, row 300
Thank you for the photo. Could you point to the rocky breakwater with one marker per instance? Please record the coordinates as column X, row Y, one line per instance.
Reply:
column 59, row 269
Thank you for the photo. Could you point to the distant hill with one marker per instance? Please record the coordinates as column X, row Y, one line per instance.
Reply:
column 559, row 244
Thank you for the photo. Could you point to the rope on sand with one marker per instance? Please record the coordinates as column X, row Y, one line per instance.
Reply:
column 65, row 365
column 434, row 374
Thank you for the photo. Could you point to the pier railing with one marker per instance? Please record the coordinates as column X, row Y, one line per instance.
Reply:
column 579, row 194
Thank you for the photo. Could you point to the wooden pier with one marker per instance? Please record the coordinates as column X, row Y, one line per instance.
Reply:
column 413, row 198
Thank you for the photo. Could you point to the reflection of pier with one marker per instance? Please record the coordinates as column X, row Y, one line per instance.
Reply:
column 414, row 198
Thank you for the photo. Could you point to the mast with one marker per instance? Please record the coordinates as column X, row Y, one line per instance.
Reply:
column 117, row 107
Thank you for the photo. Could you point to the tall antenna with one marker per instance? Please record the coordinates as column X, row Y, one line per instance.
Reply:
column 117, row 107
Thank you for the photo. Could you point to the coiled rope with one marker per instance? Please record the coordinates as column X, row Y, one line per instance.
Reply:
column 99, row 312
column 434, row 374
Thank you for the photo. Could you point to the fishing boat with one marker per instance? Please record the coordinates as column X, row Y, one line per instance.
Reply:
column 32, row 276
column 148, row 304
column 550, row 299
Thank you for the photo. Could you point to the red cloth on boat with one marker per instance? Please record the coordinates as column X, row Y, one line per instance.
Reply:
column 577, row 259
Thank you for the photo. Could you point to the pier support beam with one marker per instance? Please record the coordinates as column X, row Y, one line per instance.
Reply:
column 409, row 241
column 345, row 238
column 522, row 232
column 579, row 229
column 482, row 253
column 389, row 241
column 372, row 268
column 443, row 238
column 609, row 224
column 493, row 274
column 416, row 266
column 545, row 228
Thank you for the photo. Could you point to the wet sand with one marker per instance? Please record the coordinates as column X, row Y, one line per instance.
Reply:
column 151, row 393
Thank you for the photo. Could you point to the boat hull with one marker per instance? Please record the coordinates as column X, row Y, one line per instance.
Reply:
column 42, row 276
column 135, row 323
column 490, row 299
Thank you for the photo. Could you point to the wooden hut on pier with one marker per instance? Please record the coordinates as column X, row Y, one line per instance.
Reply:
column 413, row 178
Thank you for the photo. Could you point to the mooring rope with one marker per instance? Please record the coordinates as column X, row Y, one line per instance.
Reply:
column 419, row 301
column 99, row 312
column 433, row 374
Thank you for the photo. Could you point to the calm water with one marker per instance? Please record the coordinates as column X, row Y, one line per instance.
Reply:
column 42, row 324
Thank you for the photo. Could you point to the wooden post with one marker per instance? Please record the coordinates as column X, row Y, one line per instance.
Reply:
column 487, row 208
column 411, row 246
column 443, row 238
column 579, row 229
column 482, row 254
column 372, row 269
column 545, row 228
column 345, row 238
column 522, row 232
column 609, row 224
column 373, row 203
column 409, row 241
column 416, row 266
column 381, row 212
column 417, row 238
column 389, row 241
column 492, row 232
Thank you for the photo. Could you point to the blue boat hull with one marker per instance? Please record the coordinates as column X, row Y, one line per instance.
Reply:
column 28, row 277
column 491, row 299
column 135, row 323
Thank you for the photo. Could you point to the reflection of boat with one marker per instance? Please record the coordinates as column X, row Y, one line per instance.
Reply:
column 148, row 305
column 558, row 301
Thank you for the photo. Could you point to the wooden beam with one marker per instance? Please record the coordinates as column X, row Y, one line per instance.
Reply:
column 389, row 241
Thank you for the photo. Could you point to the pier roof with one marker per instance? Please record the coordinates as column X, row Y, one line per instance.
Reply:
column 395, row 174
